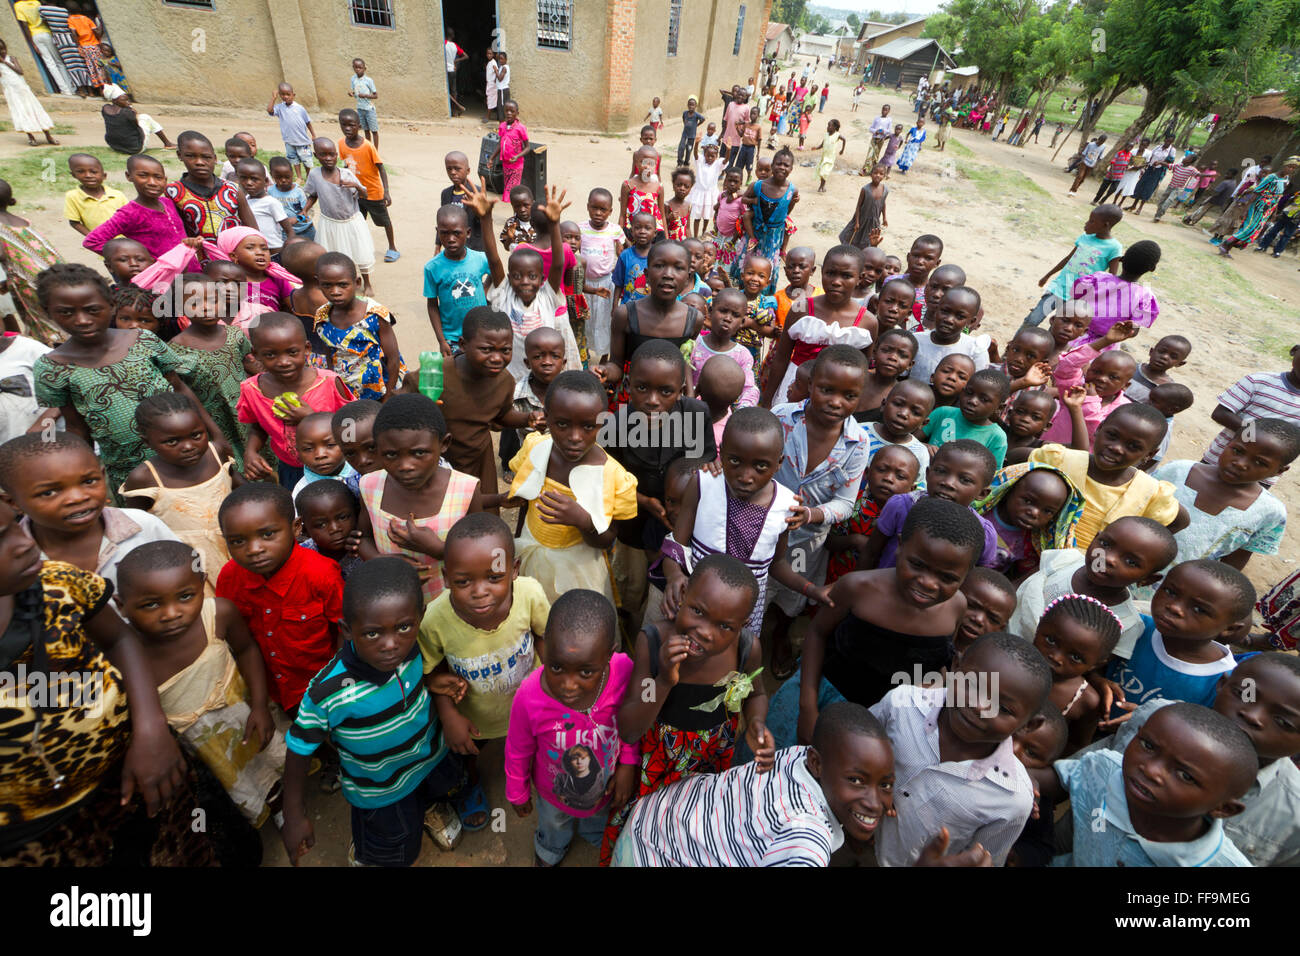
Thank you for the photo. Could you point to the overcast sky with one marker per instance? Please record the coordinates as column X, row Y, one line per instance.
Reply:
column 916, row 8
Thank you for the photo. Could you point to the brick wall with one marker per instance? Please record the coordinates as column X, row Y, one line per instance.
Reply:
column 620, row 37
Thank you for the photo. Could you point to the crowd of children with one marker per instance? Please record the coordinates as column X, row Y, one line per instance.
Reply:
column 288, row 539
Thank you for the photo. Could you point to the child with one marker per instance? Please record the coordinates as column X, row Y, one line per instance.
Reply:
column 1108, row 476
column 1037, row 745
column 857, row 96
column 136, row 308
column 330, row 511
column 944, row 746
column 759, row 327
column 512, row 147
column 767, row 222
column 296, row 131
column 358, row 332
column 678, row 209
column 1109, row 299
column 91, row 203
column 865, row 229
column 299, row 260
column 563, row 538
column 1034, row 509
column 275, row 401
column 800, row 266
column 483, row 629
column 396, row 765
column 1260, row 394
column 973, row 417
column 518, row 227
column 655, row 115
column 286, row 190
column 25, row 109
column 1104, row 375
column 273, row 221
column 679, row 477
column 691, row 120
column 949, row 380
column 945, row 277
column 892, row 146
column 725, row 319
column 1130, row 551
column 957, row 310
column 1025, row 360
column 187, row 479
column 415, row 498
column 1232, row 515
column 721, row 384
column 1094, row 251
column 1066, row 327
column 893, row 304
column 62, row 474
column 149, row 218
column 904, row 411
column 209, row 673
column 209, row 205
column 362, row 158
column 320, row 453
column 295, row 619
column 457, row 165
column 686, row 727
column 728, row 227
column 125, row 259
column 1075, row 635
column 601, row 247
column 1180, row 812
column 893, row 470
column 99, row 373
column 563, row 735
column 236, row 150
column 1170, row 352
column 642, row 192
column 18, row 408
column 710, row 138
column 455, row 279
column 990, row 602
column 354, row 430
column 544, row 359
column 340, row 226
column 1024, row 423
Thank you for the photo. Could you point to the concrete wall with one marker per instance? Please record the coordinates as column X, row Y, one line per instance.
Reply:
column 723, row 69
column 1255, row 138
column 564, row 88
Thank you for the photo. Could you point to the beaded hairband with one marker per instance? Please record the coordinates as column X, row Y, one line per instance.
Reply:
column 1091, row 600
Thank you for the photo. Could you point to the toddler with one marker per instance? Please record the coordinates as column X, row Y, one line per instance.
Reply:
column 1034, row 509
column 296, row 129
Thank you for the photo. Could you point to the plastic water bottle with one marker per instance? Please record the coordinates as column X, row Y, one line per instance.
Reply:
column 431, row 374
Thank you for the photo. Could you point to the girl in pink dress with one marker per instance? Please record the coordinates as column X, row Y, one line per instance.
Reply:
column 512, row 146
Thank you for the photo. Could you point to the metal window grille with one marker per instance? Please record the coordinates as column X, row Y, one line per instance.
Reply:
column 555, row 24
column 740, row 28
column 197, row 4
column 371, row 13
column 674, row 25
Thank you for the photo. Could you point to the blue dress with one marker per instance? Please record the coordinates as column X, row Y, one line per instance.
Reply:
column 769, row 230
column 908, row 156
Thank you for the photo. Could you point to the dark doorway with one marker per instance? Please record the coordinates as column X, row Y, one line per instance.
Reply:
column 473, row 21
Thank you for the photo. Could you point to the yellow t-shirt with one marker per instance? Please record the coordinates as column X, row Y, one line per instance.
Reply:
column 495, row 662
column 89, row 211
column 29, row 12
column 1142, row 495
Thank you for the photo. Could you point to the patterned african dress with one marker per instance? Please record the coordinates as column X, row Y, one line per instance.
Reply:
column 106, row 398
column 355, row 353
column 576, row 300
column 761, row 311
column 205, row 216
column 215, row 377
column 769, row 228
column 862, row 521
column 682, row 742
column 24, row 254
column 1267, row 194
column 59, row 781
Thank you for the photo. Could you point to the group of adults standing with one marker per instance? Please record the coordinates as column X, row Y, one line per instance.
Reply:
column 72, row 43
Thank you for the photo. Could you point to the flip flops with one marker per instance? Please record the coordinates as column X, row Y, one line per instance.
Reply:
column 470, row 801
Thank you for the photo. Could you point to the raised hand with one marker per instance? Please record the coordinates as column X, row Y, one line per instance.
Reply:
column 477, row 198
column 555, row 204
column 671, row 654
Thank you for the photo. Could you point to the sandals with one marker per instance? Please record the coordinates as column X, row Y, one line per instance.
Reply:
column 392, row 255
column 784, row 669
column 470, row 801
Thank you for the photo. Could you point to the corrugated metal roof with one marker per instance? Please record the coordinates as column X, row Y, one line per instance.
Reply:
column 965, row 71
column 900, row 49
column 774, row 30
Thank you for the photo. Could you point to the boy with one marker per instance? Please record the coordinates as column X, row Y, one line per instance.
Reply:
column 236, row 151
column 1024, row 423
column 942, row 279
column 364, row 92
column 1258, row 395
column 483, row 629
column 1170, row 352
column 628, row 280
column 954, row 764
column 518, row 227
column 455, row 279
column 1094, row 251
column 1168, row 399
column 273, row 220
column 1177, row 655
column 457, row 165
column 295, row 128
column 957, row 309
column 990, row 602
column 125, row 259
column 361, row 156
column 1025, row 359
column 92, row 203
column 290, row 196
column 924, row 256
column 1129, row 552
column 691, row 120
column 328, row 511
column 601, row 246
column 906, row 409
column 544, row 359
column 973, row 417
column 1163, row 801
column 395, row 763
column 321, row 454
column 354, row 429
column 290, row 598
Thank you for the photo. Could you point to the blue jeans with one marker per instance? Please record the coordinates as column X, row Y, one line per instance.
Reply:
column 555, row 830
column 1046, row 306
column 299, row 155
column 1282, row 230
column 783, row 715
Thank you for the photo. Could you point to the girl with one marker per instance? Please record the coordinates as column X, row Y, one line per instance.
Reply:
column 187, row 479
column 891, row 358
column 857, row 96
column 701, row 666
column 575, row 295
column 728, row 230
column 100, row 374
column 1076, row 635
column 24, row 253
column 208, row 205
column 704, row 195
column 414, row 499
column 827, row 163
column 749, row 142
column 512, row 147
column 768, row 203
column 572, row 491
column 869, row 217
column 893, row 471
column 1110, row 299
column 831, row 318
column 1138, row 159
column 273, row 402
column 357, row 332
column 805, row 120
column 725, row 318
column 678, row 210
column 340, row 226
column 219, row 355
column 1034, row 508
column 25, row 110
column 892, row 146
column 915, row 137
column 149, row 218
column 642, row 191
column 134, row 308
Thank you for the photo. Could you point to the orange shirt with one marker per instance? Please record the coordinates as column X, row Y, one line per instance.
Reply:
column 364, row 161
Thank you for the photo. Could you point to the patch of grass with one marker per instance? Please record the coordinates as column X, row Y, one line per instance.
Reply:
column 960, row 148
column 1114, row 121
column 1001, row 183
column 60, row 129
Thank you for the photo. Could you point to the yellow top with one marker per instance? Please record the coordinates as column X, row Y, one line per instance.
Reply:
column 29, row 12
column 89, row 211
column 606, row 492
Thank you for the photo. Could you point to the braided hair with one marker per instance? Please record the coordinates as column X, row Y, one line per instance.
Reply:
column 160, row 405
column 1089, row 612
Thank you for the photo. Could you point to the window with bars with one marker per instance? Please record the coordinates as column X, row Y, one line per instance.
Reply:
column 371, row 13
column 193, row 4
column 555, row 24
column 674, row 25
column 740, row 28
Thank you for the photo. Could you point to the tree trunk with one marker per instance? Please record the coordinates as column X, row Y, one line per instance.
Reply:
column 1152, row 107
column 1037, row 108
column 1086, row 125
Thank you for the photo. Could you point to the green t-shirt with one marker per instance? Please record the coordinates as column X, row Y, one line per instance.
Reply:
column 949, row 424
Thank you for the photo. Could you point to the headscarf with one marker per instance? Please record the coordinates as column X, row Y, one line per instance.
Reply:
column 181, row 258
column 1059, row 534
column 112, row 91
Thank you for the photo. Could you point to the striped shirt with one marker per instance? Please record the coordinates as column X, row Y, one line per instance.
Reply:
column 1179, row 175
column 986, row 801
column 737, row 818
column 1260, row 395
column 382, row 724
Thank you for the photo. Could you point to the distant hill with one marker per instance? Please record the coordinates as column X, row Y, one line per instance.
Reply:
column 837, row 15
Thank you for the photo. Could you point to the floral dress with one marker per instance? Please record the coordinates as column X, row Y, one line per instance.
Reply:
column 107, row 397
column 24, row 254
column 215, row 379
column 355, row 352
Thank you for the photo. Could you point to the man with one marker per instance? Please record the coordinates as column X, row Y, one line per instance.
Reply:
column 454, row 57
column 880, row 129
column 1091, row 153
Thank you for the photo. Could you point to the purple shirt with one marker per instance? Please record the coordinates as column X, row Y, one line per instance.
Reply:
column 1114, row 300
column 895, row 512
column 159, row 231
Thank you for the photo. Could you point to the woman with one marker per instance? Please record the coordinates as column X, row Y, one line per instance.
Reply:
column 1128, row 182
column 1262, row 201
column 1156, row 165
column 88, row 33
column 65, row 41
column 125, row 130
column 25, row 110
column 24, row 254
column 915, row 137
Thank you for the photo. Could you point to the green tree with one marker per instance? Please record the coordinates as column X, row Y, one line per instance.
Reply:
column 790, row 12
column 946, row 28
column 854, row 22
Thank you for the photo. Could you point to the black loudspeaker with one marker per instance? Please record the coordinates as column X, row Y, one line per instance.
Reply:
column 534, row 176
column 494, row 177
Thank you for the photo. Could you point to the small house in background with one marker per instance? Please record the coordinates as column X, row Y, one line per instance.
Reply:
column 779, row 42
column 874, row 33
column 961, row 78
column 1266, row 127
column 816, row 44
column 904, row 62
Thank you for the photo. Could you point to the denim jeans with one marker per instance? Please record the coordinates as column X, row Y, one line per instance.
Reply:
column 1282, row 230
column 555, row 830
column 1046, row 306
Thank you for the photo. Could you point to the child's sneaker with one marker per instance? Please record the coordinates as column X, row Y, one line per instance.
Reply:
column 442, row 824
column 352, row 856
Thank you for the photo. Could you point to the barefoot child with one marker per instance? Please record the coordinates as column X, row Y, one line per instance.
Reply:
column 358, row 332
